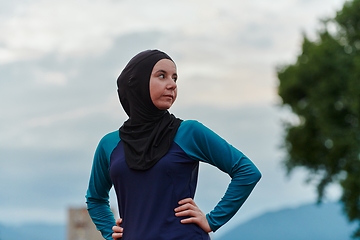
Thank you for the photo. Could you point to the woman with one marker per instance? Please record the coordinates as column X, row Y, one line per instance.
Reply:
column 152, row 161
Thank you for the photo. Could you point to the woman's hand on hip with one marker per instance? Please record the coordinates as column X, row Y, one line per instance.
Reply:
column 118, row 231
column 190, row 209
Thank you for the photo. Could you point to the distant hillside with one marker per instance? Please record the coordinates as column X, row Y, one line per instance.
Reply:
column 309, row 222
column 33, row 232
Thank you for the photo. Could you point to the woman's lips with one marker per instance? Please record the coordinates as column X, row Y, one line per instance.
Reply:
column 170, row 96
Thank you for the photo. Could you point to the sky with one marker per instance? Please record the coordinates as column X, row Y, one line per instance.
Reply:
column 59, row 61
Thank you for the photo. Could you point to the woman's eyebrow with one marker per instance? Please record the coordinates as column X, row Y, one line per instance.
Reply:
column 163, row 71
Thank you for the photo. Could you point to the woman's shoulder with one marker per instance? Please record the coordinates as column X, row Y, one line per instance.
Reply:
column 193, row 130
column 192, row 126
column 196, row 132
column 110, row 138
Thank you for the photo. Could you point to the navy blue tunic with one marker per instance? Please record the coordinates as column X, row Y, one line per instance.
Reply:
column 147, row 199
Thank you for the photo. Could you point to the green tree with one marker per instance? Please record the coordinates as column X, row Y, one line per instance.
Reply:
column 323, row 90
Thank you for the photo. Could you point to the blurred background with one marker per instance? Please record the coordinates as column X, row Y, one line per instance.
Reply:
column 59, row 61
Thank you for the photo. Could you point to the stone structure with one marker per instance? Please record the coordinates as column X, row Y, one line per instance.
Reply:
column 80, row 226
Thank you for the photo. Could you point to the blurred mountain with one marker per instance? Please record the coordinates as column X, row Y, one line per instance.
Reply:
column 33, row 232
column 309, row 222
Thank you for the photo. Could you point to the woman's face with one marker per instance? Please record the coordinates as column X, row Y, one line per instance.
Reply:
column 163, row 89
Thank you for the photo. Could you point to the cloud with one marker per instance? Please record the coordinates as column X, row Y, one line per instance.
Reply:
column 39, row 97
column 80, row 28
column 88, row 28
column 48, row 77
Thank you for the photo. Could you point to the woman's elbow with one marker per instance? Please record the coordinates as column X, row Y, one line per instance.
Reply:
column 257, row 175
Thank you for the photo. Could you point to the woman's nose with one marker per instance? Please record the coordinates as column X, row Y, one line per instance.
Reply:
column 172, row 84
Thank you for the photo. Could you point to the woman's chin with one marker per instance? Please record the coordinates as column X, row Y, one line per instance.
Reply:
column 163, row 106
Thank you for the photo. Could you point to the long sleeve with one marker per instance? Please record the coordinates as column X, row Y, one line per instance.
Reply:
column 202, row 144
column 97, row 197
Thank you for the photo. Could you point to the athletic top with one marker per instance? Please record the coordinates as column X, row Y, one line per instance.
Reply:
column 147, row 199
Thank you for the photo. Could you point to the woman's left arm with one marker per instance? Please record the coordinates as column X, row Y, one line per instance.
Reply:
column 202, row 144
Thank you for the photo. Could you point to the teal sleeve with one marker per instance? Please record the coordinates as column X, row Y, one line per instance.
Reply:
column 202, row 144
column 97, row 197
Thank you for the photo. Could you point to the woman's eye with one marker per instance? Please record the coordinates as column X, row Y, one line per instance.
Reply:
column 161, row 76
column 174, row 78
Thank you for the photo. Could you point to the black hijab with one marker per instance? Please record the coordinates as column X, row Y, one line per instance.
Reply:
column 149, row 132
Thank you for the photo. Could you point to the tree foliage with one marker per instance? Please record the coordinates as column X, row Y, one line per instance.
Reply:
column 323, row 90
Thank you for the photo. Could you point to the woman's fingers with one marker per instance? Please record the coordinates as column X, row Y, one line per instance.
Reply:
column 116, row 236
column 118, row 231
column 185, row 207
column 195, row 215
column 189, row 220
column 185, row 213
column 118, row 221
column 187, row 200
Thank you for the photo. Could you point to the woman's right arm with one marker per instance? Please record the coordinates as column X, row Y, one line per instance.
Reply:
column 97, row 197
